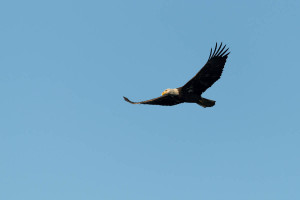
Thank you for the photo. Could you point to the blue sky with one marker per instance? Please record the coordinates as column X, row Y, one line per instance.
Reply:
column 66, row 132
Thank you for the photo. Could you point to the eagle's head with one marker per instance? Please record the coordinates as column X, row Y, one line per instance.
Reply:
column 170, row 92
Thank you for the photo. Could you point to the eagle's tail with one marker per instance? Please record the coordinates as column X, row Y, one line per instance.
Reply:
column 206, row 102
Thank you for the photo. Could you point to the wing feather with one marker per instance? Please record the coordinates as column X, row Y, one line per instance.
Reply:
column 221, row 50
column 218, row 50
column 209, row 73
column 210, row 53
column 215, row 50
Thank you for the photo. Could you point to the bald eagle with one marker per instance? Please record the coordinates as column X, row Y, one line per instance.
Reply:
column 191, row 92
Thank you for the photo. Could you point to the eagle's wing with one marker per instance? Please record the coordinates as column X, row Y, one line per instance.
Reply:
column 209, row 73
column 165, row 100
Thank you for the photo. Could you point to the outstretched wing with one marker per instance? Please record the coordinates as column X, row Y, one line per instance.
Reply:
column 165, row 100
column 209, row 73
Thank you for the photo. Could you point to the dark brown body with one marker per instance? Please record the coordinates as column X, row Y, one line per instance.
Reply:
column 190, row 97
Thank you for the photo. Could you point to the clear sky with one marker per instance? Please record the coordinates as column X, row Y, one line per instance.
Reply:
column 67, row 133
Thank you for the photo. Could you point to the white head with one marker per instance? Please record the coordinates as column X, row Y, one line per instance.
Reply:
column 170, row 92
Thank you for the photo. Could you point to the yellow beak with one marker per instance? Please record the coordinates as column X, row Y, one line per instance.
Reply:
column 163, row 93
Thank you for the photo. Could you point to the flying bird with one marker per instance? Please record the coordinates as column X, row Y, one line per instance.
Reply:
column 192, row 91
